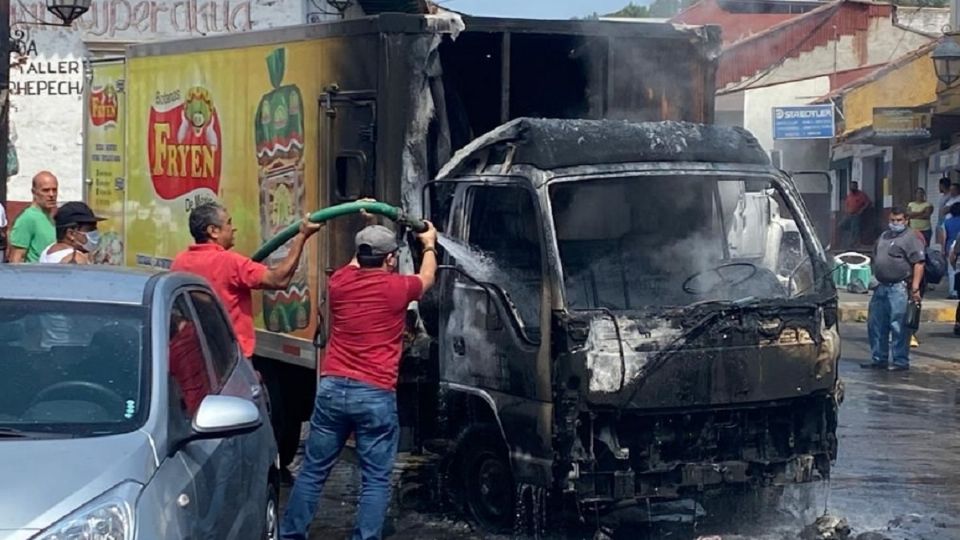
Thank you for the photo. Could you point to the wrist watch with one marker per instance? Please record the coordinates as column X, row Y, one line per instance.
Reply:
column 434, row 250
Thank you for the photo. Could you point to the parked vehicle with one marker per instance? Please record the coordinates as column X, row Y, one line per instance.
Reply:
column 126, row 410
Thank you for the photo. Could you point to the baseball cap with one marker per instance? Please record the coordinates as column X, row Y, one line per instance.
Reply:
column 376, row 240
column 75, row 213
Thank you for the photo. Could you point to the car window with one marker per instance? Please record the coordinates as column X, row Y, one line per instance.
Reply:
column 189, row 376
column 73, row 368
column 218, row 334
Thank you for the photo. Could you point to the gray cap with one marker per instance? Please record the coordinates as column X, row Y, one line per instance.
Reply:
column 379, row 239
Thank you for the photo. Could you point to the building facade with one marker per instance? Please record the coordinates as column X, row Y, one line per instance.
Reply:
column 46, row 85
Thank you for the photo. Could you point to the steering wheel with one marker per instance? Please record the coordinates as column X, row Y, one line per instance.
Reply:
column 86, row 390
column 723, row 279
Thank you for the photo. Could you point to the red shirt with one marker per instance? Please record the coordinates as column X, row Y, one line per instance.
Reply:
column 368, row 310
column 188, row 368
column 856, row 201
column 233, row 277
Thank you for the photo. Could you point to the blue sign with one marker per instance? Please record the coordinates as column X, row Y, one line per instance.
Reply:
column 807, row 122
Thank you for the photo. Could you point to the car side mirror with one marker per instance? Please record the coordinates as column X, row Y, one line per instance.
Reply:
column 225, row 416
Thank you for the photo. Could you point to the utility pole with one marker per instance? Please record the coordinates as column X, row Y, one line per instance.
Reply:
column 4, row 94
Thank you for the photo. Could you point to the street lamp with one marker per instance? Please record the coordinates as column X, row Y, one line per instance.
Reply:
column 65, row 10
column 68, row 10
column 946, row 61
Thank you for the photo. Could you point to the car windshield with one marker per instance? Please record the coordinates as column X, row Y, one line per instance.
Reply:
column 668, row 241
column 72, row 369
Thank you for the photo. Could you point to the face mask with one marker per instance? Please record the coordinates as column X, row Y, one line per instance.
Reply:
column 898, row 227
column 93, row 240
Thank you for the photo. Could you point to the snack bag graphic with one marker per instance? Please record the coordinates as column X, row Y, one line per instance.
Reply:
column 279, row 144
column 183, row 145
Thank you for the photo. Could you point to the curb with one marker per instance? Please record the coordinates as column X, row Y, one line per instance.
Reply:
column 940, row 312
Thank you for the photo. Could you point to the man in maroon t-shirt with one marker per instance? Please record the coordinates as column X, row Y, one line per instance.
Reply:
column 356, row 393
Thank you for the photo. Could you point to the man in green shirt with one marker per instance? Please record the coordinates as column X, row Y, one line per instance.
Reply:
column 34, row 230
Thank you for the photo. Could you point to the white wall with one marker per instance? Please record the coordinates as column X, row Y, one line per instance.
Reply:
column 46, row 92
column 924, row 19
column 758, row 104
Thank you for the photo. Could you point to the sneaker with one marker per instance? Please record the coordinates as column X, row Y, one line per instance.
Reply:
column 873, row 365
column 913, row 342
column 900, row 368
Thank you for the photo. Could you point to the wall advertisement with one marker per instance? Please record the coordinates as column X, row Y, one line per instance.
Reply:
column 103, row 160
column 201, row 129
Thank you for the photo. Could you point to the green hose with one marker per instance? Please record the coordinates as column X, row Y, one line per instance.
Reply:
column 390, row 212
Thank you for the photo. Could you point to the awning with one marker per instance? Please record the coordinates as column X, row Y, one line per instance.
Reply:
column 946, row 160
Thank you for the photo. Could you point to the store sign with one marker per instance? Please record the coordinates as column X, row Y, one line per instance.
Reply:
column 902, row 122
column 806, row 122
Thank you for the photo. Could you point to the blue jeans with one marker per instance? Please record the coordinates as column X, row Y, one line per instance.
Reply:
column 345, row 406
column 888, row 311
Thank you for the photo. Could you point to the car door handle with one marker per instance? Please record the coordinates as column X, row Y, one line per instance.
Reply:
column 459, row 346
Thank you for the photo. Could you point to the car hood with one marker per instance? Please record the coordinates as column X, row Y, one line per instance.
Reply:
column 44, row 480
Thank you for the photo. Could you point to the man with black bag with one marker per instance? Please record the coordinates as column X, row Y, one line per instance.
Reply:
column 898, row 260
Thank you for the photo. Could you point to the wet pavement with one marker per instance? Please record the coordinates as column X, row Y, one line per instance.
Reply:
column 897, row 475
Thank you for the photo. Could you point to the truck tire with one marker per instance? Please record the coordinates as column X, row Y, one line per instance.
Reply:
column 486, row 478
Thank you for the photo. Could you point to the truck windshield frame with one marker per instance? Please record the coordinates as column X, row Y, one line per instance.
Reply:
column 753, row 272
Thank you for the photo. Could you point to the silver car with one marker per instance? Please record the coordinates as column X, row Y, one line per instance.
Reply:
column 127, row 410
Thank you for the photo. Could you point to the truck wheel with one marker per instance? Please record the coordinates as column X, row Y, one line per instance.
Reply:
column 486, row 479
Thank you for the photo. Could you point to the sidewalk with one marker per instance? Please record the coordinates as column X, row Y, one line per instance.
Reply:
column 936, row 306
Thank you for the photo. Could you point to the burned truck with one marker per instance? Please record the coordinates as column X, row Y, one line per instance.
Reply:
column 627, row 312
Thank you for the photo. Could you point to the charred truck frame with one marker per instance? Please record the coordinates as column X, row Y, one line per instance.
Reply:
column 555, row 353
column 654, row 320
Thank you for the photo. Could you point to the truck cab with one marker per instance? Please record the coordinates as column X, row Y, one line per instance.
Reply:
column 627, row 312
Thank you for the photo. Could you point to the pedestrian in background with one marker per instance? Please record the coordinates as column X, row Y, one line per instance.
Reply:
column 919, row 211
column 938, row 214
column 357, row 390
column 34, row 230
column 854, row 206
column 898, row 258
column 947, row 236
column 77, row 235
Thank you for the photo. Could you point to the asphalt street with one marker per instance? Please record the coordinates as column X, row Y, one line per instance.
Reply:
column 897, row 475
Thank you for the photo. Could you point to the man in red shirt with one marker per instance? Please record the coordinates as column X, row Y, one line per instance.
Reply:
column 234, row 276
column 356, row 393
column 854, row 206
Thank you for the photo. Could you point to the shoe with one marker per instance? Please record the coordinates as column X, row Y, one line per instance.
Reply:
column 956, row 330
column 873, row 365
column 900, row 368
column 913, row 342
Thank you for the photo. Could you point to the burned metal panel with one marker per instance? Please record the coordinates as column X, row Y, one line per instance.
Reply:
column 741, row 358
column 557, row 144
